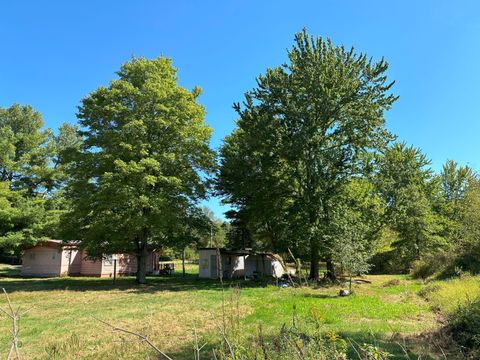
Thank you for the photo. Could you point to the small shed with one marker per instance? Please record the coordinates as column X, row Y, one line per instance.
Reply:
column 231, row 263
column 264, row 264
column 54, row 258
column 238, row 263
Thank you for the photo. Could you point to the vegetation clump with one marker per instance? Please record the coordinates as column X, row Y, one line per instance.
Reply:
column 464, row 326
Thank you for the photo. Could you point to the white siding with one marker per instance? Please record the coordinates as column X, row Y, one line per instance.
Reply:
column 204, row 262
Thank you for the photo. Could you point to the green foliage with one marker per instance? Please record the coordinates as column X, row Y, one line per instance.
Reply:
column 432, row 264
column 32, row 171
column 409, row 190
column 289, row 343
column 25, row 219
column 24, row 149
column 459, row 207
column 354, row 226
column 464, row 325
column 190, row 229
column 143, row 163
column 469, row 219
column 303, row 131
column 455, row 180
column 215, row 233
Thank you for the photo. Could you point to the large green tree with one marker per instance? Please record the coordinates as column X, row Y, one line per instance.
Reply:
column 24, row 149
column 144, row 159
column 31, row 176
column 307, row 127
column 411, row 193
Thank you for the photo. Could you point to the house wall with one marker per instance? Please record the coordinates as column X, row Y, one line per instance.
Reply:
column 258, row 264
column 90, row 267
column 50, row 260
column 42, row 261
column 204, row 263
column 126, row 265
column 153, row 262
column 277, row 268
column 233, row 266
column 251, row 265
column 71, row 262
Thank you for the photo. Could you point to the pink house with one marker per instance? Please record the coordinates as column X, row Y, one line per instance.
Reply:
column 50, row 258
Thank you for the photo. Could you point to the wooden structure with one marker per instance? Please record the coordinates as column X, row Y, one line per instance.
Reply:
column 238, row 264
column 53, row 258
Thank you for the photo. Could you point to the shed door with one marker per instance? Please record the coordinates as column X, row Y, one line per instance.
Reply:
column 213, row 266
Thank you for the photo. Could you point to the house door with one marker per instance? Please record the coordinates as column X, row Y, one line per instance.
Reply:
column 213, row 266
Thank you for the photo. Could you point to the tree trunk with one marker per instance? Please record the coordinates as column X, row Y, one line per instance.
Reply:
column 314, row 259
column 330, row 275
column 141, row 277
column 183, row 262
column 219, row 266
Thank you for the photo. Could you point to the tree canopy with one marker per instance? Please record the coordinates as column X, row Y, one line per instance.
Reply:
column 143, row 161
column 303, row 132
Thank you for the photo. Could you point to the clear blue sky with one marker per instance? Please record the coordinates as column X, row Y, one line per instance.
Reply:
column 53, row 53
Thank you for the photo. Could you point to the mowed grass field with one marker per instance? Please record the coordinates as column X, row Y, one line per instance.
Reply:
column 62, row 320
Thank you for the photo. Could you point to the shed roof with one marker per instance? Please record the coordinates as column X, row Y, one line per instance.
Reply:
column 240, row 252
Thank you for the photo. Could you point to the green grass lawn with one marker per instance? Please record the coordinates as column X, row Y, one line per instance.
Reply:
column 9, row 270
column 446, row 296
column 62, row 321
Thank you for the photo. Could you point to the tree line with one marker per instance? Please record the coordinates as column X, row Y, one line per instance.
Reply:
column 310, row 169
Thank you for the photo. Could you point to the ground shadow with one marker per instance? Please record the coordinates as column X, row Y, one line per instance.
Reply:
column 176, row 282
column 320, row 296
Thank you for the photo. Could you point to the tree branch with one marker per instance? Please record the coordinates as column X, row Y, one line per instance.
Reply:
column 140, row 336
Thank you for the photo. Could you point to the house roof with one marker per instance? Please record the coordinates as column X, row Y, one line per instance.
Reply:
column 53, row 243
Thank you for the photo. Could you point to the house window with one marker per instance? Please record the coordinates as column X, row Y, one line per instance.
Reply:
column 204, row 264
column 53, row 256
column 108, row 260
column 32, row 256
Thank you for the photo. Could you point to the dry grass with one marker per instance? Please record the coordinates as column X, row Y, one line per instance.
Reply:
column 62, row 323
column 446, row 296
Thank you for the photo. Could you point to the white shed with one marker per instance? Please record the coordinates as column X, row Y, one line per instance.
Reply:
column 231, row 263
column 238, row 263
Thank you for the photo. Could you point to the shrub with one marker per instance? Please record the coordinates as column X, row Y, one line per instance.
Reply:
column 423, row 269
column 388, row 262
column 431, row 265
column 464, row 326
column 429, row 289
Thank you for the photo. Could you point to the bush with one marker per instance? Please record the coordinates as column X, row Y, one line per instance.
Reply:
column 468, row 262
column 460, row 264
column 464, row 326
column 434, row 264
column 388, row 262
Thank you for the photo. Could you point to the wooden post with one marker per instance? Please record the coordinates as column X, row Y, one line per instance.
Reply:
column 114, row 270
column 244, row 268
column 183, row 262
column 219, row 266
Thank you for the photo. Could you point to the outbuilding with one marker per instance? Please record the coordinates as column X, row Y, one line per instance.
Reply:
column 51, row 258
column 238, row 263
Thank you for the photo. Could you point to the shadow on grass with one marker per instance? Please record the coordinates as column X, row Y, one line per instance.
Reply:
column 154, row 284
column 320, row 296
column 7, row 270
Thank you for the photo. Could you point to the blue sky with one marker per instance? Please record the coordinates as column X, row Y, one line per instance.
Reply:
column 54, row 53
